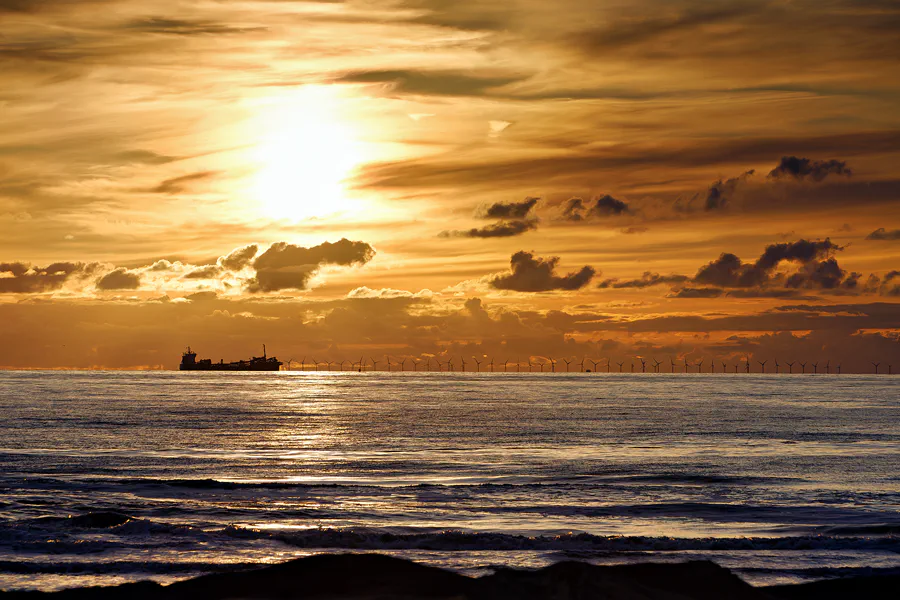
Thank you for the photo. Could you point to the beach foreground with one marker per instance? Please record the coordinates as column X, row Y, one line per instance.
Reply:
column 374, row 576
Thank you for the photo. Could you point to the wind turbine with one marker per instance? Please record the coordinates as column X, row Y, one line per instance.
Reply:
column 403, row 364
column 582, row 364
column 450, row 364
column 874, row 364
column 839, row 369
column 462, row 359
column 748, row 363
column 620, row 365
column 568, row 362
column 607, row 365
column 505, row 365
column 777, row 367
column 316, row 364
column 762, row 363
column 632, row 366
column 685, row 364
column 361, row 365
column 374, row 364
column 643, row 365
column 712, row 365
column 428, row 363
column 492, row 364
column 724, row 367
column 803, row 366
column 672, row 361
column 656, row 365
column 553, row 365
column 594, row 363
column 790, row 368
column 700, row 365
column 828, row 367
column 542, row 366
column 815, row 368
column 477, row 365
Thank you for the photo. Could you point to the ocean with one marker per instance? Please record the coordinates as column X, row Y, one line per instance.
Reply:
column 110, row 477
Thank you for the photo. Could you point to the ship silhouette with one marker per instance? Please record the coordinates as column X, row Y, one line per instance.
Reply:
column 189, row 362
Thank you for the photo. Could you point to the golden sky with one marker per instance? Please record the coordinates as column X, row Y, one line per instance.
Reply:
column 433, row 178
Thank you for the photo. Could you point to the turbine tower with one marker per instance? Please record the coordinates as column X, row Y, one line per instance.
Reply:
column 643, row 365
column 876, row 364
column 763, row 365
column 374, row 364
column 672, row 362
column 594, row 363
column 620, row 365
column 492, row 364
column 815, row 368
column 656, row 364
column 477, row 365
column 790, row 368
column 803, row 366
column 777, row 367
column 462, row 359
column 553, row 365
column 700, row 365
column 568, row 362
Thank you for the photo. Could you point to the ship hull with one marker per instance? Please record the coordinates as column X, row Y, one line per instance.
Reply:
column 231, row 367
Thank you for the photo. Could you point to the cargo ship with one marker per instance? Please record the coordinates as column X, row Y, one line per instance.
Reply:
column 189, row 362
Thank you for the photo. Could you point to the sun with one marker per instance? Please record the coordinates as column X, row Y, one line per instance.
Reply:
column 305, row 154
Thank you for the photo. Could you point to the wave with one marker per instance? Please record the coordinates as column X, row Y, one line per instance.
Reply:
column 371, row 539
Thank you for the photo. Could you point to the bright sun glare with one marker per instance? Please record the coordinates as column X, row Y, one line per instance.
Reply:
column 306, row 153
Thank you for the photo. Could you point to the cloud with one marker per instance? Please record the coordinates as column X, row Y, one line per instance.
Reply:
column 576, row 209
column 177, row 185
column 21, row 278
column 530, row 274
column 239, row 258
column 501, row 229
column 728, row 271
column 689, row 292
column 720, row 192
column 648, row 279
column 162, row 25
column 119, row 279
column 882, row 234
column 509, row 210
column 205, row 272
column 804, row 168
column 286, row 266
column 431, row 83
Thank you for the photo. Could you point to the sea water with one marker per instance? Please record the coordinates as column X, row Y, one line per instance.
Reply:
column 107, row 477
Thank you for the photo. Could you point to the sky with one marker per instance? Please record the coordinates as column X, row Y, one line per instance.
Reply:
column 664, row 180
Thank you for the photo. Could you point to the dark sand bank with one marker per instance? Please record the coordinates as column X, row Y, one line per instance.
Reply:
column 373, row 576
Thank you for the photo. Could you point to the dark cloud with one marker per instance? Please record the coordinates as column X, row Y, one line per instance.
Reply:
column 688, row 292
column 26, row 279
column 882, row 234
column 593, row 166
column 804, row 168
column 286, row 266
column 530, row 274
column 576, row 209
column 162, row 25
column 627, row 32
column 729, row 271
column 431, row 83
column 207, row 272
column 177, row 185
column 720, row 192
column 501, row 229
column 511, row 210
column 648, row 279
column 119, row 279
column 239, row 258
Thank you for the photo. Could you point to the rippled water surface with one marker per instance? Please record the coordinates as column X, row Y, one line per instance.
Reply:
column 110, row 477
